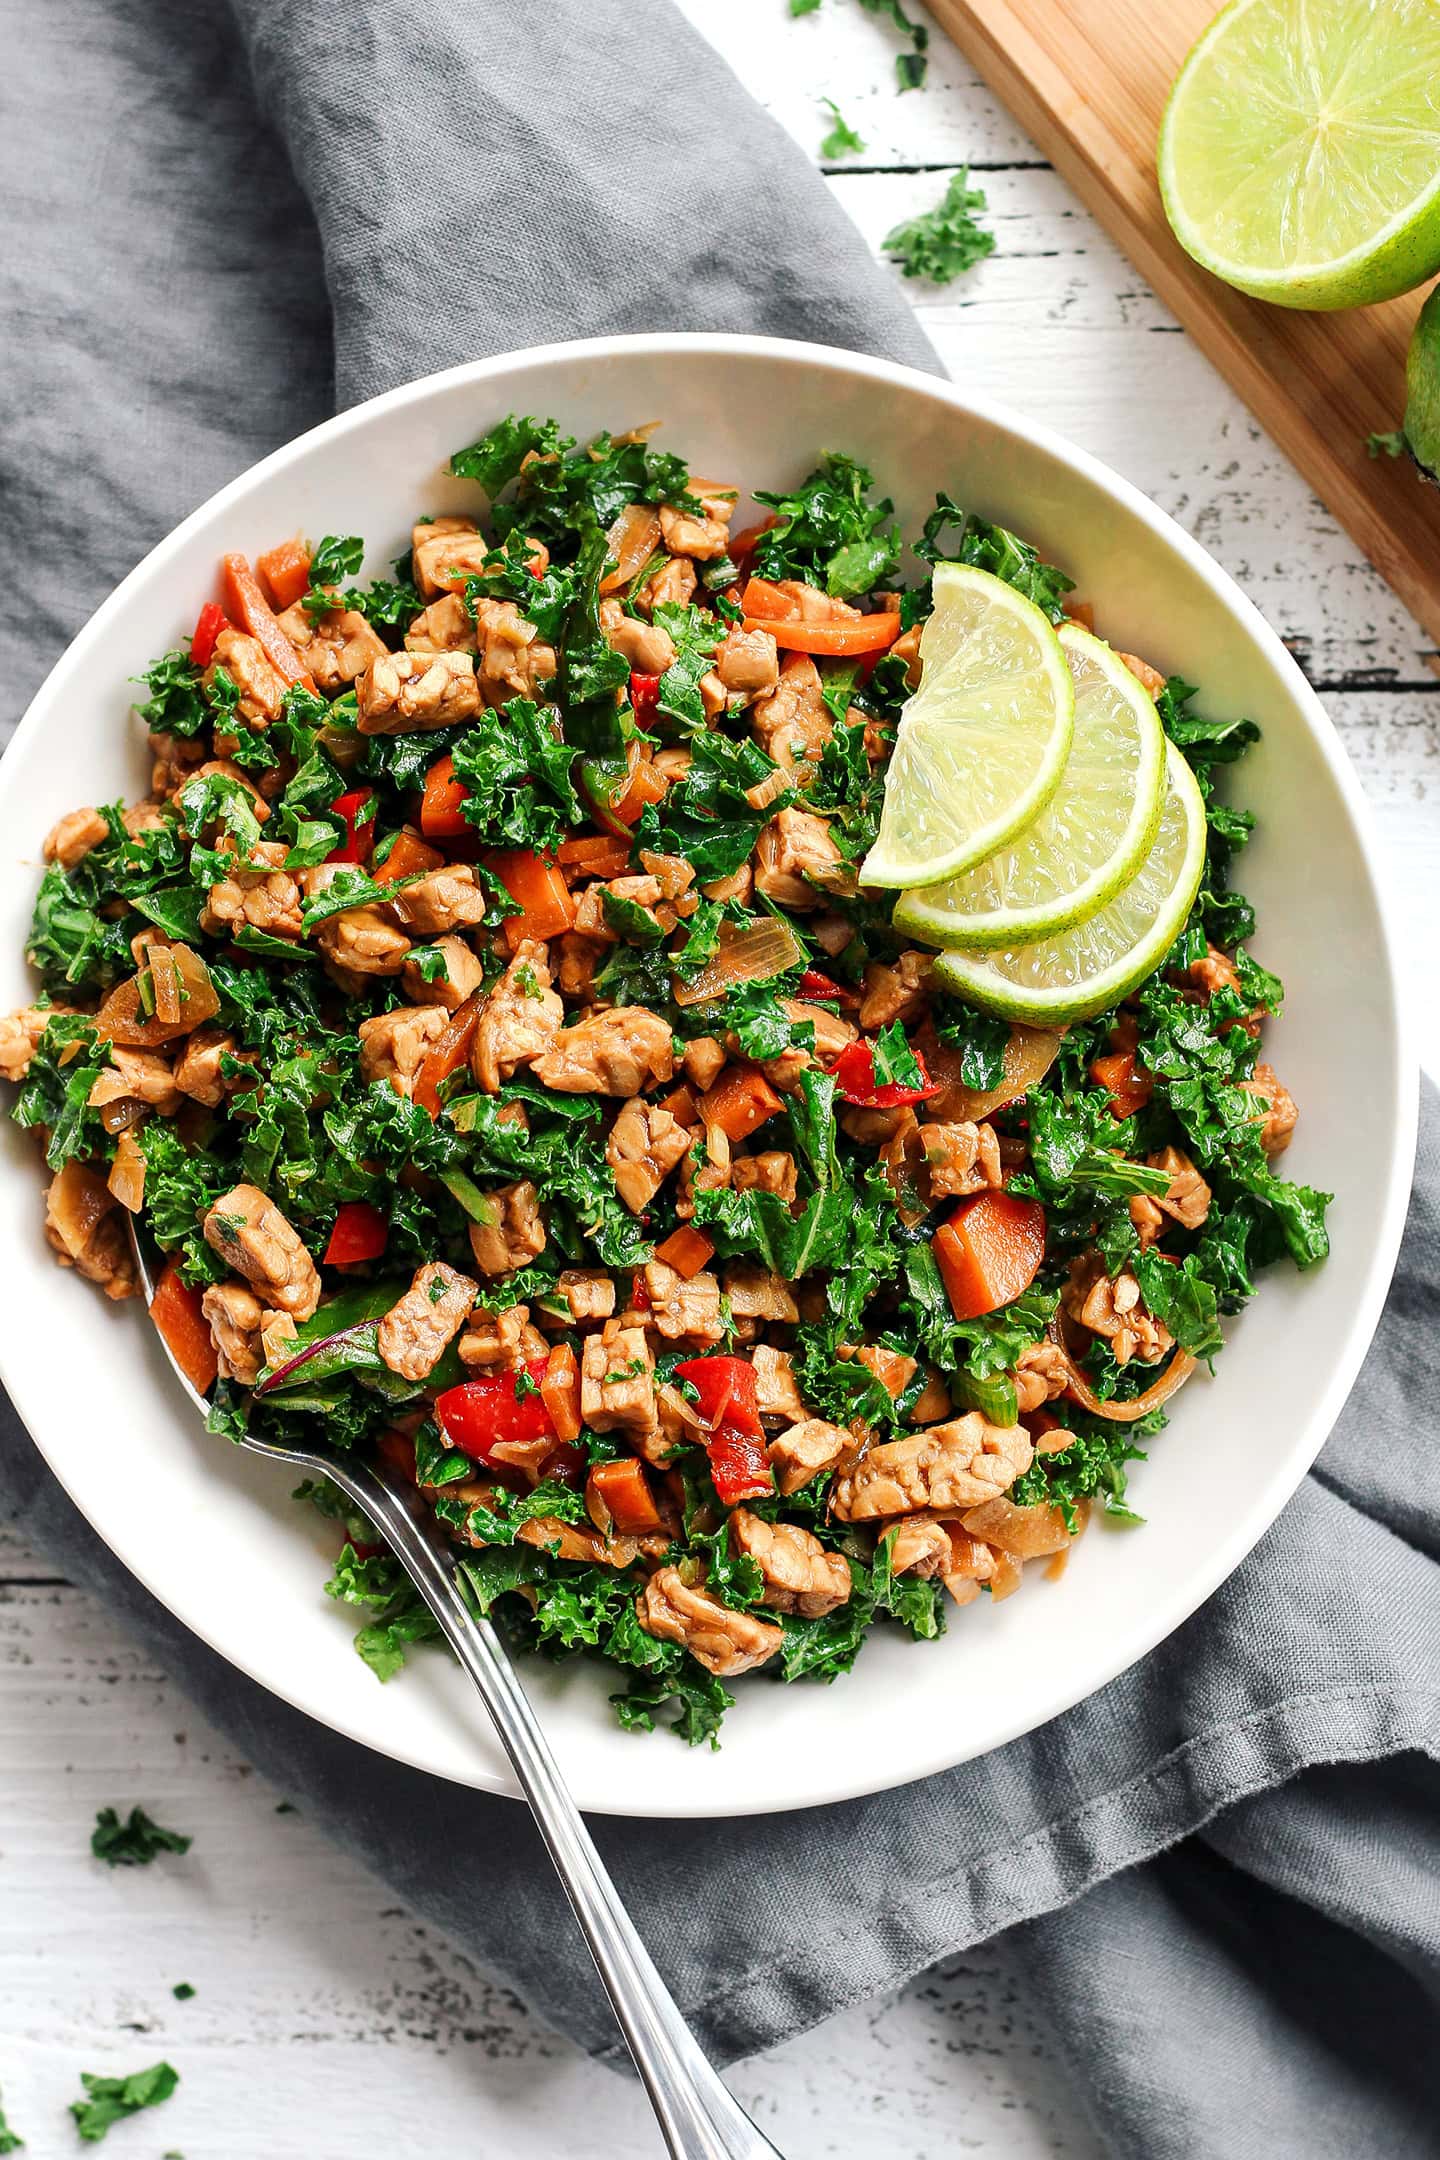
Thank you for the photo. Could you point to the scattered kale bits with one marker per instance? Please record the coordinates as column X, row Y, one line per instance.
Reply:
column 135, row 1842
column 110, row 2099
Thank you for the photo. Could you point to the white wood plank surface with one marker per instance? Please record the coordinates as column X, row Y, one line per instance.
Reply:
column 327, row 2020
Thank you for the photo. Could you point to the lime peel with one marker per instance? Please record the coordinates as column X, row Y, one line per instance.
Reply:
column 1092, row 965
column 982, row 743
column 1087, row 842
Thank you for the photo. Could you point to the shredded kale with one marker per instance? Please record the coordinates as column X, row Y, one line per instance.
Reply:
column 840, row 139
column 829, row 533
column 941, row 244
column 990, row 547
column 135, row 1842
column 109, row 2100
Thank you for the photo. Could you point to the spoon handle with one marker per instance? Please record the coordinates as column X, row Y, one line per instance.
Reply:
column 697, row 2114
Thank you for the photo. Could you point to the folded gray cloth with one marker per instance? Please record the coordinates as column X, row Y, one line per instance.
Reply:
column 192, row 273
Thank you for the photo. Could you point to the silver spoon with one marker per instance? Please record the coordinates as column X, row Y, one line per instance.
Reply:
column 698, row 2117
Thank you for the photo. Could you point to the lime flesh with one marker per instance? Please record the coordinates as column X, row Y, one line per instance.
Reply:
column 1300, row 150
column 1092, row 965
column 983, row 741
column 1090, row 838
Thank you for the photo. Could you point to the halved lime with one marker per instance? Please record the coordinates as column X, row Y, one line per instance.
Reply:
column 983, row 742
column 1422, row 388
column 1300, row 150
column 1090, row 838
column 1095, row 963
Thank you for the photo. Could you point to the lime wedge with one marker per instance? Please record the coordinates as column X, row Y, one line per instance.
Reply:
column 983, row 742
column 1088, row 841
column 1099, row 961
column 1300, row 150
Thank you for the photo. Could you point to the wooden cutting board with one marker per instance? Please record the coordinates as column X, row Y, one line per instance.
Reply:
column 1088, row 79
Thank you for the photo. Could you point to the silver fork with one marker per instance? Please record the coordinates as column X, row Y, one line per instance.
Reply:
column 698, row 2117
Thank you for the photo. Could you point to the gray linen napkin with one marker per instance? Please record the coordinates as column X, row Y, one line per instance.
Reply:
column 196, row 266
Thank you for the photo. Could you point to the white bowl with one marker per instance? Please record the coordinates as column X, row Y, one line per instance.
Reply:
column 212, row 1533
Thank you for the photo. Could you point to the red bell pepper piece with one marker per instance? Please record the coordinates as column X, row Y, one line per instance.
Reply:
column 360, row 1233
column 854, row 1072
column 725, row 1390
column 815, row 985
column 644, row 693
column 479, row 1414
column 739, row 1465
column 356, row 845
column 210, row 622
column 639, row 1292
column 175, row 1310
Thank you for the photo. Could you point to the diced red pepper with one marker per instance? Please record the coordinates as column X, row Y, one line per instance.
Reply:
column 854, row 1072
column 360, row 1233
column 815, row 985
column 479, row 1415
column 725, row 1389
column 639, row 1292
column 739, row 1465
column 644, row 694
column 356, row 845
column 210, row 622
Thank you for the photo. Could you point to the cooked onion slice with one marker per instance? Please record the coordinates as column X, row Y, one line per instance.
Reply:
column 1079, row 1390
column 767, row 948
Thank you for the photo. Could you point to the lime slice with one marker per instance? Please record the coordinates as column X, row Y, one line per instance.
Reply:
column 1090, row 838
column 983, row 742
column 1097, row 962
column 1300, row 150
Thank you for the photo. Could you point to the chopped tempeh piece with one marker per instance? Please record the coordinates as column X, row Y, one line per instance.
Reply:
column 419, row 1327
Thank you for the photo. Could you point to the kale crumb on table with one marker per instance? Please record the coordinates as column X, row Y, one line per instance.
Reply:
column 483, row 1012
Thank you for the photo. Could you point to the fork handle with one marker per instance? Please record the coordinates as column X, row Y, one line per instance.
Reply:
column 698, row 2116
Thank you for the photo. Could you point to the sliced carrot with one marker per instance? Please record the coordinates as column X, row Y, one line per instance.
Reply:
column 448, row 1054
column 739, row 1103
column 596, row 855
column 816, row 624
column 989, row 1251
column 546, row 907
column 681, row 1104
column 618, row 1497
column 1128, row 1088
column 871, row 634
column 247, row 606
column 442, row 815
column 560, row 1391
column 686, row 1250
column 175, row 1310
column 407, row 857
column 284, row 571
